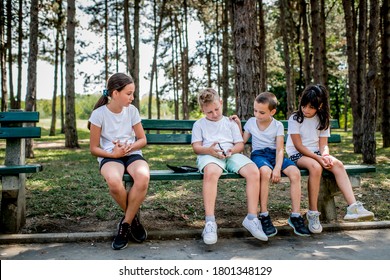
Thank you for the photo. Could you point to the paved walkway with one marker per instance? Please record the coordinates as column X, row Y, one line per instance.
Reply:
column 352, row 241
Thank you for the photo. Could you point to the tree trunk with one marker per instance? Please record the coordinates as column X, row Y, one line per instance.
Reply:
column 106, row 64
column 62, row 50
column 9, row 47
column 225, row 56
column 306, row 68
column 56, row 55
column 127, row 30
column 32, row 69
column 3, row 59
column 369, row 142
column 18, row 101
column 135, row 65
column 361, row 60
column 350, row 26
column 262, row 49
column 157, row 32
column 246, row 56
column 185, row 65
column 316, row 37
column 71, row 139
column 287, row 63
column 386, row 75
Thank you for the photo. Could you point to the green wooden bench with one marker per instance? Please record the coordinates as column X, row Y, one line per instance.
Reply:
column 15, row 127
column 178, row 132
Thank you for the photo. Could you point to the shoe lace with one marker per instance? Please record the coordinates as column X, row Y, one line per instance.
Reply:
column 123, row 230
column 266, row 221
column 314, row 218
column 210, row 227
column 300, row 222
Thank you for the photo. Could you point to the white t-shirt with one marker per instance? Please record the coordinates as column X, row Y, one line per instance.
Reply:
column 310, row 135
column 262, row 139
column 224, row 131
column 115, row 126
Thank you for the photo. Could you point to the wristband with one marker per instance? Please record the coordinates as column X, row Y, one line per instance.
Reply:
column 325, row 155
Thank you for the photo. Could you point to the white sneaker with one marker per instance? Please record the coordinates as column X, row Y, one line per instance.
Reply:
column 356, row 211
column 209, row 233
column 314, row 222
column 254, row 227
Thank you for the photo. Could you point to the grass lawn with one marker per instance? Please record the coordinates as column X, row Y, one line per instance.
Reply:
column 70, row 195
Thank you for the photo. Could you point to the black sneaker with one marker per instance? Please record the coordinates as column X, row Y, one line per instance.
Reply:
column 298, row 224
column 267, row 226
column 137, row 230
column 122, row 238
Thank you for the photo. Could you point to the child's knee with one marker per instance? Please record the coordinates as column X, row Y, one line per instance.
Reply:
column 295, row 175
column 265, row 172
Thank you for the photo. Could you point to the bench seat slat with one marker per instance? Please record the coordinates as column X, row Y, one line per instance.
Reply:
column 20, row 132
column 167, row 175
column 17, row 169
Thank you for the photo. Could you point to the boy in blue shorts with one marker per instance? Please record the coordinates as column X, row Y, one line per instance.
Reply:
column 268, row 154
column 218, row 143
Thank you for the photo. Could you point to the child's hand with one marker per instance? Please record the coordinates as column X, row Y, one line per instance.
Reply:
column 217, row 151
column 228, row 153
column 120, row 149
column 275, row 176
column 236, row 119
column 327, row 161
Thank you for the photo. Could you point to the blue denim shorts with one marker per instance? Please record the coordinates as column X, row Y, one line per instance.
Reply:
column 267, row 157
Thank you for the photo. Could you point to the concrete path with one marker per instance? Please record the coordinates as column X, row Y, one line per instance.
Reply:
column 363, row 244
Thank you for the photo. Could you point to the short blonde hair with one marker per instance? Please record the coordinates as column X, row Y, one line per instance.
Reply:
column 207, row 96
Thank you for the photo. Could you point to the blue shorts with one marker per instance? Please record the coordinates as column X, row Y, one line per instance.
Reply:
column 267, row 157
column 126, row 160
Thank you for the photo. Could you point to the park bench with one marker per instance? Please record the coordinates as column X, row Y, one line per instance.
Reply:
column 15, row 127
column 177, row 132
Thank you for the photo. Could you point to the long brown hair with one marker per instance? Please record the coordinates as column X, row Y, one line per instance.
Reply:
column 116, row 82
column 318, row 97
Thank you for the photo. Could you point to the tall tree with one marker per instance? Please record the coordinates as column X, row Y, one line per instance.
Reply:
column 246, row 56
column 58, row 29
column 71, row 138
column 32, row 69
column 160, row 11
column 132, row 48
column 225, row 55
column 305, row 28
column 318, row 35
column 288, row 65
column 3, row 58
column 350, row 27
column 262, row 47
column 185, row 64
column 385, row 74
column 18, row 99
column 10, row 56
column 369, row 141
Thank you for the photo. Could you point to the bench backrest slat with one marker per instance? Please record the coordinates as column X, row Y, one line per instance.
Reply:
column 20, row 132
column 181, row 126
column 22, row 116
column 186, row 125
